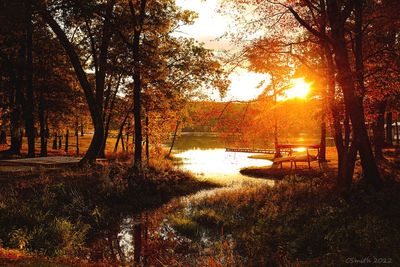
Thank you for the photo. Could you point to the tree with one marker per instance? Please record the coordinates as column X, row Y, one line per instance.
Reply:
column 83, row 13
column 58, row 95
column 138, row 11
column 381, row 67
column 315, row 17
column 16, row 59
column 167, row 70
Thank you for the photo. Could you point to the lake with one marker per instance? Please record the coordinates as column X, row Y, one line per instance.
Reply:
column 204, row 155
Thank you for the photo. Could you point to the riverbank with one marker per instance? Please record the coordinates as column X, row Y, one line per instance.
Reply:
column 277, row 172
column 296, row 223
column 57, row 216
column 87, row 217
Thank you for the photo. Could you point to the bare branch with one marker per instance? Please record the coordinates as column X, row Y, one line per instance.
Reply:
column 303, row 23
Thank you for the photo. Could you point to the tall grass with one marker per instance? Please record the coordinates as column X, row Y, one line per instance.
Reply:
column 293, row 224
column 61, row 216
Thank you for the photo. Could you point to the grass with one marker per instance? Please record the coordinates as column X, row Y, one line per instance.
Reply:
column 59, row 214
column 294, row 224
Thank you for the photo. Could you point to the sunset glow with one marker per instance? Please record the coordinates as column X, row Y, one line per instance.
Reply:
column 199, row 133
column 300, row 89
column 208, row 29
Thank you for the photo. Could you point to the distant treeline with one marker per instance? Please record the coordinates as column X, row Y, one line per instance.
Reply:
column 294, row 117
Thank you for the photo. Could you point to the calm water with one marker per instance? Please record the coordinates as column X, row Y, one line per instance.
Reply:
column 205, row 157
column 217, row 164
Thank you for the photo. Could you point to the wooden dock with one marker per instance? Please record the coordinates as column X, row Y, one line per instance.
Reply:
column 252, row 150
column 286, row 148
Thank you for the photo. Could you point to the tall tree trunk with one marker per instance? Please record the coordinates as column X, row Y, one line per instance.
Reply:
column 325, row 99
column 28, row 108
column 137, row 165
column 138, row 20
column 15, row 99
column 107, row 33
column 117, row 142
column 108, row 111
column 42, row 124
column 77, row 136
column 128, row 129
column 66, row 140
column 16, row 131
column 174, row 138
column 358, row 48
column 82, row 128
column 46, row 120
column 351, row 157
column 347, row 131
column 277, row 151
column 54, row 146
column 379, row 130
column 352, row 101
column 122, row 141
column 3, row 136
column 147, row 140
column 3, row 133
column 121, row 128
column 16, row 117
column 60, row 141
column 91, row 98
column 342, row 180
column 322, row 153
column 389, row 129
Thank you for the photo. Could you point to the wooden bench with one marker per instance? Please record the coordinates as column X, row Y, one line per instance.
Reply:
column 293, row 159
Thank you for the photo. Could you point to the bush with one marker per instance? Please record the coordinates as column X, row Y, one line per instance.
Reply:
column 63, row 217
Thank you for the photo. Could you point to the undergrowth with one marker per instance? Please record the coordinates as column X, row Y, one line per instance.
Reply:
column 61, row 216
column 296, row 224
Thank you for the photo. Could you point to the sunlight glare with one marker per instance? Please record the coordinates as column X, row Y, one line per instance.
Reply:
column 300, row 149
column 218, row 164
column 300, row 89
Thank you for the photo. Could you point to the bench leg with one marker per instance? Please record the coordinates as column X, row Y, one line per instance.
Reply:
column 309, row 165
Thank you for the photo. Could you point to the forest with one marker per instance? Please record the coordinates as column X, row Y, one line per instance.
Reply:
column 199, row 132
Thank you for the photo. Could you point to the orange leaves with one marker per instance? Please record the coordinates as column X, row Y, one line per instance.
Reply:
column 11, row 254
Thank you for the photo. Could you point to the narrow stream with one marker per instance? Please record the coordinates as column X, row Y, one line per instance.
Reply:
column 205, row 157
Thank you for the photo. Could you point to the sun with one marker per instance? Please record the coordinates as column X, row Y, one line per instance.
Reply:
column 299, row 89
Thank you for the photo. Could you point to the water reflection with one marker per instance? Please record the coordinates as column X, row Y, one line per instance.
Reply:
column 218, row 164
column 123, row 244
column 150, row 239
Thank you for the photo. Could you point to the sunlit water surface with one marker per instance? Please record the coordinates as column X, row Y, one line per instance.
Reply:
column 217, row 165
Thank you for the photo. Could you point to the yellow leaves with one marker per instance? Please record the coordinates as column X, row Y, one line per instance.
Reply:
column 188, row 17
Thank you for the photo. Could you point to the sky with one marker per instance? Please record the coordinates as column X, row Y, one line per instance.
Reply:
column 209, row 26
